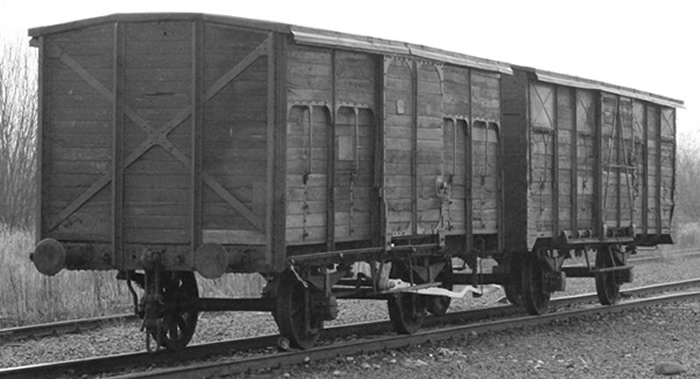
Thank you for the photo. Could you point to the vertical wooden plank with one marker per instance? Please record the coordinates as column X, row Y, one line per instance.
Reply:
column 598, row 193
column 278, row 257
column 117, row 146
column 574, row 162
column 197, row 125
column 330, row 146
column 618, row 161
column 659, row 151
column 414, row 148
column 468, row 182
column 645, row 174
column 41, row 124
column 377, row 211
column 555, row 164
column 270, row 199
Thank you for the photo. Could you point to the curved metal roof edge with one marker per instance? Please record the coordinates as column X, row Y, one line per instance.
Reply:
column 578, row 82
column 320, row 37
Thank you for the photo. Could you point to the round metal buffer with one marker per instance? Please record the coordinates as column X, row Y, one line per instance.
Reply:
column 49, row 257
column 211, row 260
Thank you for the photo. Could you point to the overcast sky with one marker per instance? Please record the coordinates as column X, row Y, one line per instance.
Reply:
column 648, row 45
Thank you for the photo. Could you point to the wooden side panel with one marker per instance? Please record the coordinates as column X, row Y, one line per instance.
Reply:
column 566, row 147
column 310, row 75
column 641, row 167
column 234, row 130
column 354, row 145
column 457, row 147
column 617, row 167
column 456, row 144
column 429, row 146
column 78, row 77
column 586, row 158
column 309, row 121
column 354, row 163
column 398, row 142
column 486, row 135
column 456, row 100
column 355, row 79
column 485, row 172
column 156, row 133
column 653, row 167
column 158, row 85
column 542, row 180
column 307, row 174
column 668, row 167
column 486, row 96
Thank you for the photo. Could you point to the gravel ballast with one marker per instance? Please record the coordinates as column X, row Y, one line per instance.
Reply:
column 623, row 345
column 632, row 344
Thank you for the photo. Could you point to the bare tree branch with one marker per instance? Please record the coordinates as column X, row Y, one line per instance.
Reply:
column 18, row 125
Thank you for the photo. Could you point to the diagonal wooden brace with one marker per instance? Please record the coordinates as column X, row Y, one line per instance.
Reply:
column 159, row 136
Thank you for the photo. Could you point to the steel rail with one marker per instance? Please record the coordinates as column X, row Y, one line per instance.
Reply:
column 119, row 362
column 391, row 342
column 62, row 327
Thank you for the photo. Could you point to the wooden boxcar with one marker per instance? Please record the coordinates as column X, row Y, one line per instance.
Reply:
column 589, row 166
column 175, row 143
column 334, row 165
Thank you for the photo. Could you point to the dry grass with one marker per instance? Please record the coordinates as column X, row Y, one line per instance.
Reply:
column 27, row 297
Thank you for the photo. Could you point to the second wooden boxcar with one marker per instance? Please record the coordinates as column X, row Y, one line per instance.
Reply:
column 590, row 167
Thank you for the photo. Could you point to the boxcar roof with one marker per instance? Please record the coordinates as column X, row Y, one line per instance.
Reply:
column 302, row 35
column 575, row 81
column 311, row 36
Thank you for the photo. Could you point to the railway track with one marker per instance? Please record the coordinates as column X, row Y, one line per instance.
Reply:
column 80, row 325
column 470, row 321
column 63, row 327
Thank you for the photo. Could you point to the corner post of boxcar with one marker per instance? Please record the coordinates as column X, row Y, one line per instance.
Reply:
column 468, row 159
column 331, row 166
column 383, row 204
column 378, row 202
column 118, row 145
column 277, row 252
column 39, row 43
column 196, row 141
column 598, row 211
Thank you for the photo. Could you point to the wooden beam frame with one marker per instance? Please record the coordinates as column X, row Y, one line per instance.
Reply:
column 118, row 147
column 159, row 137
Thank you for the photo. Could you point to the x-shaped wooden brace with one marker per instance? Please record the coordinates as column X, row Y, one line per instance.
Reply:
column 543, row 101
column 159, row 136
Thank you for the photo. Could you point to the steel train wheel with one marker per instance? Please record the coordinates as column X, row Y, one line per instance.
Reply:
column 513, row 288
column 513, row 293
column 606, row 284
column 177, row 326
column 438, row 305
column 291, row 316
column 406, row 311
column 535, row 294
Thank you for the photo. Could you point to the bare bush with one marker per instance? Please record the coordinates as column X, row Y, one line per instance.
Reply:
column 688, row 180
column 18, row 124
